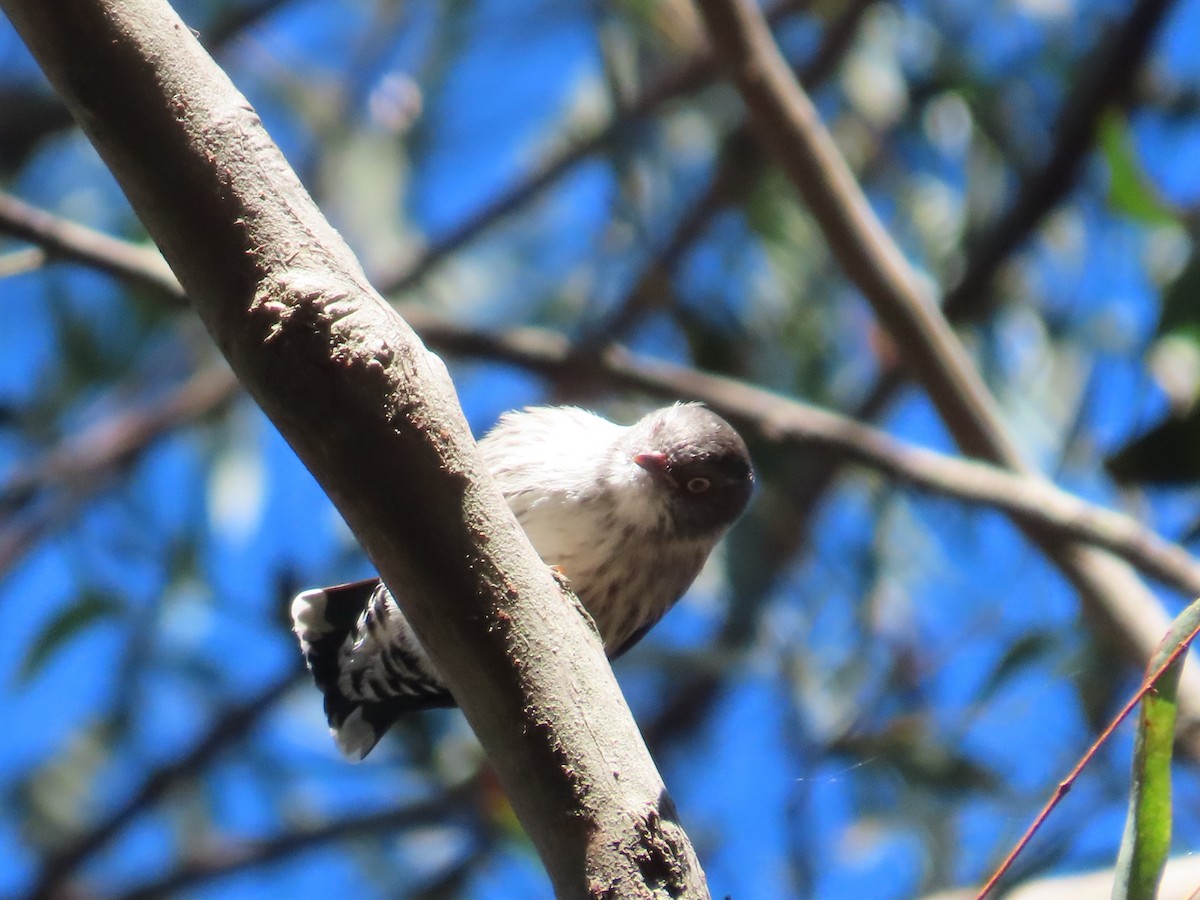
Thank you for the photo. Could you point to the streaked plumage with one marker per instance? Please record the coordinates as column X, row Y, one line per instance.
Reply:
column 628, row 514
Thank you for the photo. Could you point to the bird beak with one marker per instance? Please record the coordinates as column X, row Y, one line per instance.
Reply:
column 657, row 464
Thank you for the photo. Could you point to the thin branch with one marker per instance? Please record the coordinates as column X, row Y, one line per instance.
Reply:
column 1148, row 684
column 69, row 241
column 789, row 422
column 231, row 727
column 1105, row 77
column 30, row 115
column 222, row 861
column 770, row 416
column 115, row 440
column 737, row 168
column 686, row 79
column 84, row 463
column 1114, row 61
column 737, row 165
column 791, row 129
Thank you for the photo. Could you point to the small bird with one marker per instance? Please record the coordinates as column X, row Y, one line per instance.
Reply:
column 627, row 514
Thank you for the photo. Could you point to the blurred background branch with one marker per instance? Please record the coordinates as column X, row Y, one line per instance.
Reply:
column 895, row 677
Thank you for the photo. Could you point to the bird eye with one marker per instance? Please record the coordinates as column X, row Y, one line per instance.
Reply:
column 698, row 485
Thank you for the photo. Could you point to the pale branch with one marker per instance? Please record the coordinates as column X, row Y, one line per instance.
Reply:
column 353, row 390
column 767, row 415
column 21, row 261
column 737, row 168
column 223, row 860
column 1107, row 72
column 687, row 78
column 67, row 240
column 793, row 133
column 775, row 418
column 229, row 728
column 1114, row 60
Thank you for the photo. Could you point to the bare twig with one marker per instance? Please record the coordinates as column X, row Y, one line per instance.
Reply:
column 783, row 420
column 1106, row 75
column 85, row 462
column 1114, row 61
column 226, row 730
column 686, row 79
column 739, row 165
column 118, row 438
column 222, row 861
column 1148, row 684
column 76, row 243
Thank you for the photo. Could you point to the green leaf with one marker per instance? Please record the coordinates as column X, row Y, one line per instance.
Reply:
column 1147, row 837
column 1169, row 453
column 88, row 610
column 1129, row 189
column 1181, row 302
column 1028, row 650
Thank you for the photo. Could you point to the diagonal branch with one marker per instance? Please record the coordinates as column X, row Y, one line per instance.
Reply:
column 227, row 861
column 1104, row 78
column 228, row 729
column 69, row 241
column 686, row 79
column 1114, row 61
column 788, row 422
column 790, row 128
column 374, row 416
column 110, row 443
column 737, row 168
column 769, row 416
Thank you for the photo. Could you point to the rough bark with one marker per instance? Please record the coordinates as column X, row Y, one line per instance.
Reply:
column 374, row 416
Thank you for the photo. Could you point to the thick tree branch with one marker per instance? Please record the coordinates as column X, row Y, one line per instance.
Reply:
column 790, row 128
column 374, row 416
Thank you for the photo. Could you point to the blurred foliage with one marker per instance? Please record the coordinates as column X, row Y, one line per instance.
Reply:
column 867, row 694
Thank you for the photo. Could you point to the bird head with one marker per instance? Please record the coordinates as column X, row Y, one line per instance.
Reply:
column 699, row 465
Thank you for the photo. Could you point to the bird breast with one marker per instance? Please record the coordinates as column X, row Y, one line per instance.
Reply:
column 620, row 562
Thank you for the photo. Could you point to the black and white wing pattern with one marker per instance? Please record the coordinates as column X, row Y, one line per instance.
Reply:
column 366, row 660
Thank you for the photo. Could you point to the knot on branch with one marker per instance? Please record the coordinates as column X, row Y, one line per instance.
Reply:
column 661, row 853
column 300, row 305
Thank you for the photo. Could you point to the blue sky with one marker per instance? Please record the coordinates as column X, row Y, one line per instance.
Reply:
column 875, row 736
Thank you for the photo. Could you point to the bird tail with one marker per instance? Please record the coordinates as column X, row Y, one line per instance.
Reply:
column 366, row 660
